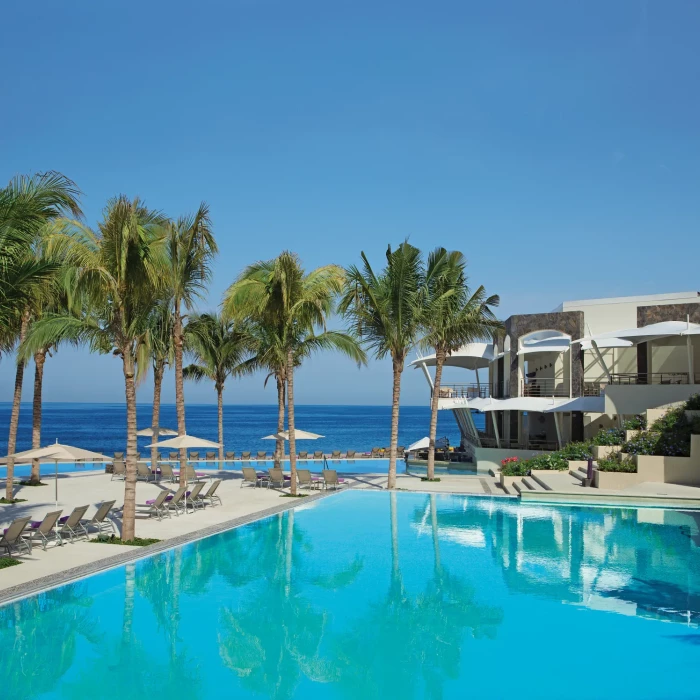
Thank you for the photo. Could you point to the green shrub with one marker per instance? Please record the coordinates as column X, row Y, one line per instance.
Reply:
column 136, row 542
column 609, row 437
column 577, row 451
column 693, row 403
column 617, row 463
column 646, row 443
column 6, row 562
column 515, row 468
column 552, row 461
column 637, row 423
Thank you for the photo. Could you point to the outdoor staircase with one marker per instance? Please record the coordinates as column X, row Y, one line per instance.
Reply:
column 528, row 483
column 580, row 473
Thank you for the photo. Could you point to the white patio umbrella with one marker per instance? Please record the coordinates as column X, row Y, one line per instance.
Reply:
column 424, row 444
column 298, row 435
column 148, row 432
column 59, row 453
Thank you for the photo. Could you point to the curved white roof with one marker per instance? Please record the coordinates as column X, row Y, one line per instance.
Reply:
column 470, row 356
column 653, row 331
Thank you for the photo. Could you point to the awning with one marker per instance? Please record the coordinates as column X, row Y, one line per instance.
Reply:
column 546, row 345
column 424, row 444
column 654, row 331
column 584, row 404
column 470, row 356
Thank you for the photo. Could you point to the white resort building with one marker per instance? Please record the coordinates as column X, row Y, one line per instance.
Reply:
column 559, row 377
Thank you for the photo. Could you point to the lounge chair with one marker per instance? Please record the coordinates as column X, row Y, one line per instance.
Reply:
column 210, row 457
column 175, row 503
column 400, row 451
column 250, row 476
column 331, row 480
column 118, row 456
column 335, row 454
column 99, row 521
column 303, row 455
column 376, row 452
column 306, row 480
column 118, row 470
column 245, row 456
column 318, row 454
column 174, row 456
column 192, row 498
column 138, row 456
column 229, row 456
column 12, row 538
column 277, row 476
column 262, row 456
column 158, row 506
column 44, row 531
column 194, row 456
column 350, row 454
column 210, row 495
column 166, row 471
column 143, row 472
column 71, row 525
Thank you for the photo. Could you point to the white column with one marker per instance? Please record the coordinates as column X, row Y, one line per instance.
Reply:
column 691, row 361
column 558, row 427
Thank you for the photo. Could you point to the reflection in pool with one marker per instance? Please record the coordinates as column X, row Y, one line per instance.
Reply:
column 381, row 595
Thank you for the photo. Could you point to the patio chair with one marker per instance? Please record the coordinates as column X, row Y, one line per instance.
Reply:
column 250, row 476
column 245, row 456
column 376, row 452
column 44, row 531
column 400, row 451
column 350, row 454
column 303, row 455
column 143, row 473
column 99, row 520
column 210, row 457
column 331, row 480
column 229, row 456
column 192, row 498
column 174, row 456
column 175, row 503
column 118, row 470
column 192, row 475
column 335, row 454
column 118, row 456
column 12, row 538
column 277, row 476
column 262, row 456
column 166, row 472
column 194, row 456
column 210, row 495
column 71, row 525
column 306, row 480
column 157, row 506
column 318, row 454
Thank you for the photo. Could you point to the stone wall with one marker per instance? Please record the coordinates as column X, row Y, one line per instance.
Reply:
column 569, row 322
column 646, row 315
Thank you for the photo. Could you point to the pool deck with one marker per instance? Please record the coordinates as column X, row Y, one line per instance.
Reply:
column 240, row 505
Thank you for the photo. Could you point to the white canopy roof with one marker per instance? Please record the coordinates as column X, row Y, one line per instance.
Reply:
column 586, row 404
column 424, row 443
column 148, row 432
column 654, row 331
column 183, row 442
column 470, row 356
column 298, row 435
column 546, row 345
column 58, row 453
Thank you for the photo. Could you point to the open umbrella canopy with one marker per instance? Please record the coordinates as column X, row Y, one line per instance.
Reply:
column 424, row 444
column 148, row 432
column 183, row 442
column 58, row 453
column 298, row 435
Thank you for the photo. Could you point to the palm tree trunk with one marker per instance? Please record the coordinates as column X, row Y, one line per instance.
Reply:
column 14, row 416
column 129, row 513
column 39, row 360
column 158, row 370
column 279, row 448
column 180, row 389
column 290, row 425
column 439, row 362
column 220, row 408
column 396, row 395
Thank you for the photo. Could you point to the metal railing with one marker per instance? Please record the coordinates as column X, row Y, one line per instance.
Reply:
column 464, row 391
column 593, row 388
column 544, row 387
column 633, row 378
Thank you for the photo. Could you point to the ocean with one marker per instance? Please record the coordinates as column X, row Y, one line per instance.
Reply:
column 102, row 427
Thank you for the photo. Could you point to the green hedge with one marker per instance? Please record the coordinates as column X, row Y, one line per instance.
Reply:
column 617, row 463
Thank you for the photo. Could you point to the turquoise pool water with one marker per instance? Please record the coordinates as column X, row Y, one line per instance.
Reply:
column 378, row 595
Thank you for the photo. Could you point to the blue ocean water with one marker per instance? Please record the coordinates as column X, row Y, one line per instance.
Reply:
column 381, row 595
column 102, row 427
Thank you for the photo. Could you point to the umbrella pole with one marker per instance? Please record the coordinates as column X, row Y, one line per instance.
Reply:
column 56, row 482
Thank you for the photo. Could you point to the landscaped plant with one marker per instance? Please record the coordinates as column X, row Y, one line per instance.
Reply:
column 10, row 501
column 552, row 461
column 669, row 436
column 693, row 403
column 509, row 460
column 514, row 467
column 577, row 451
column 609, row 437
column 136, row 542
column 637, row 423
column 646, row 443
column 617, row 463
column 6, row 562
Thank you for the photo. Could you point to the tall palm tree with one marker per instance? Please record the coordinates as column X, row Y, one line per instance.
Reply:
column 452, row 317
column 27, row 203
column 120, row 271
column 191, row 248
column 293, row 305
column 219, row 347
column 385, row 310
column 156, row 349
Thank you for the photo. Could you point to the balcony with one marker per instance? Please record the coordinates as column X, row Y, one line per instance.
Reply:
column 464, row 391
column 646, row 378
column 594, row 388
column 544, row 388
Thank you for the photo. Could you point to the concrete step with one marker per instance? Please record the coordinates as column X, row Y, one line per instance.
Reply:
column 532, row 484
column 580, row 475
column 544, row 486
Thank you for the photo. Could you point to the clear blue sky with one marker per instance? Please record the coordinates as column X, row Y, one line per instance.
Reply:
column 555, row 143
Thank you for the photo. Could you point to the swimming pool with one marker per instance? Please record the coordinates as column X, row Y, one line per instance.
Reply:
column 349, row 466
column 381, row 595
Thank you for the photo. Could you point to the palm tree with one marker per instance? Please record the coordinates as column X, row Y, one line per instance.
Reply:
column 156, row 348
column 27, row 204
column 452, row 317
column 291, row 305
column 385, row 310
column 119, row 277
column 219, row 347
column 191, row 247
